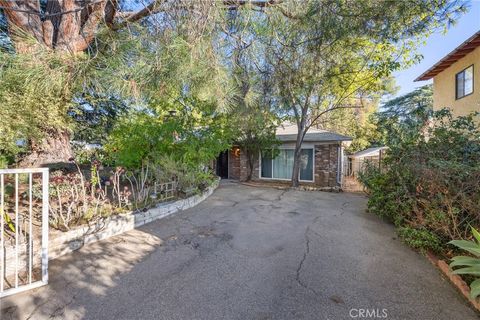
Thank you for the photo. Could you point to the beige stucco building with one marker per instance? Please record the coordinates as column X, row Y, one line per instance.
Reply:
column 456, row 78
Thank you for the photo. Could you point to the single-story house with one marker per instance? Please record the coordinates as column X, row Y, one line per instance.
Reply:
column 356, row 162
column 321, row 166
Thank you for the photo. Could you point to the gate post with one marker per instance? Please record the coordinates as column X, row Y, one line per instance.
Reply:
column 45, row 211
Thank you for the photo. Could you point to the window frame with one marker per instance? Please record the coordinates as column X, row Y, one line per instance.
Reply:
column 456, row 82
column 282, row 179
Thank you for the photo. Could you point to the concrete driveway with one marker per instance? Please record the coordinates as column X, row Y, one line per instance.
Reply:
column 248, row 253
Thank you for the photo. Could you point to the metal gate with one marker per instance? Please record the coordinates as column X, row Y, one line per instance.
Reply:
column 24, row 229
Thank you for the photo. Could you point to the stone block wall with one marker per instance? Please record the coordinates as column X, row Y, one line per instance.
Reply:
column 326, row 165
column 245, row 168
column 234, row 163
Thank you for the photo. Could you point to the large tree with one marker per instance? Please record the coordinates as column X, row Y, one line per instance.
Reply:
column 65, row 28
column 409, row 114
column 66, row 31
column 324, row 53
column 254, row 119
column 320, row 53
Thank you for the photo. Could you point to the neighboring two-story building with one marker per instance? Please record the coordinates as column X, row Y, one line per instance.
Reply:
column 456, row 78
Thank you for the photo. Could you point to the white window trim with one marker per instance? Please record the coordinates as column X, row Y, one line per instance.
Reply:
column 282, row 179
column 473, row 82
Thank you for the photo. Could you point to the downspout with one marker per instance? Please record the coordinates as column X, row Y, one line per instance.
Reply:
column 340, row 164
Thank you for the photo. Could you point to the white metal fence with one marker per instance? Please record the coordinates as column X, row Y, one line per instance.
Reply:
column 24, row 229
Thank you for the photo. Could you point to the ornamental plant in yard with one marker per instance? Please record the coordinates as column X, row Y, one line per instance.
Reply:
column 469, row 265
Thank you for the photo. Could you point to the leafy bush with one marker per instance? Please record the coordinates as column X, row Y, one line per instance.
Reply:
column 469, row 265
column 192, row 137
column 190, row 179
column 84, row 156
column 419, row 239
column 429, row 185
column 3, row 162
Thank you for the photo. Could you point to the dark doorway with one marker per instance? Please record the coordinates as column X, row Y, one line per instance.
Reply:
column 222, row 165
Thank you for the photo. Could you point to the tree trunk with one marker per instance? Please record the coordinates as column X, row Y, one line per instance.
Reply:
column 301, row 123
column 69, row 27
column 250, row 156
column 54, row 147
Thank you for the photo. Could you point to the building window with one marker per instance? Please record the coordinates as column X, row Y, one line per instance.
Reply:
column 266, row 170
column 464, row 82
column 281, row 166
column 306, row 165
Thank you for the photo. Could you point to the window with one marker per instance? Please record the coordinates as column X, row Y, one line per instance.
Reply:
column 281, row 166
column 266, row 170
column 306, row 165
column 464, row 83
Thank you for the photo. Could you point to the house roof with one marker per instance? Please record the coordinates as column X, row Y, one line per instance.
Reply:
column 368, row 152
column 288, row 133
column 459, row 52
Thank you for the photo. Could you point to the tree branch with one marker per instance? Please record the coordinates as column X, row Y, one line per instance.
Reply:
column 87, row 32
column 111, row 8
column 152, row 8
column 233, row 4
column 4, row 5
column 23, row 17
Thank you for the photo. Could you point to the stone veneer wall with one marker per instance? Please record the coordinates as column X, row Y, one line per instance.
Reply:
column 234, row 167
column 246, row 167
column 326, row 165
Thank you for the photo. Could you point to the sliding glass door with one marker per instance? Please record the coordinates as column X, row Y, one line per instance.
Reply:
column 306, row 165
column 281, row 166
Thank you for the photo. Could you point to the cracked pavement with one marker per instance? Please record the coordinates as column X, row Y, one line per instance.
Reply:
column 247, row 253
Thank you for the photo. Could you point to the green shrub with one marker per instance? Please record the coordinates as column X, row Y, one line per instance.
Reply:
column 188, row 137
column 420, row 239
column 429, row 185
column 3, row 162
column 87, row 156
column 190, row 179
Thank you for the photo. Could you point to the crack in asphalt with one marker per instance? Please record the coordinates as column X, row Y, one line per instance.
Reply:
column 280, row 196
column 344, row 205
column 36, row 308
column 62, row 308
column 304, row 258
column 67, row 284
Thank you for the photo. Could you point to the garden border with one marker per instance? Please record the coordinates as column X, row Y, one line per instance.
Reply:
column 455, row 279
column 66, row 242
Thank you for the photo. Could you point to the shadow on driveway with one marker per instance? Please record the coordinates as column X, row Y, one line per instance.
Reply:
column 247, row 253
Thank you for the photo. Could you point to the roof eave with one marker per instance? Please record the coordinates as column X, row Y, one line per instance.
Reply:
column 456, row 54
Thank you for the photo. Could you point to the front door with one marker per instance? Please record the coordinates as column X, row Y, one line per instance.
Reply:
column 222, row 165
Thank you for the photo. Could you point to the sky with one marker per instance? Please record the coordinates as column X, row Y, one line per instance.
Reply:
column 439, row 45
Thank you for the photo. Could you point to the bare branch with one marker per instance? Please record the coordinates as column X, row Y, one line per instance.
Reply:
column 233, row 4
column 152, row 8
